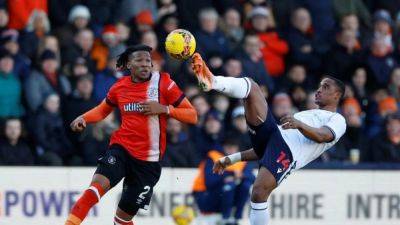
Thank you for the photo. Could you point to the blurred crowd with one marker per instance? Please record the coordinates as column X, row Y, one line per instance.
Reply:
column 57, row 60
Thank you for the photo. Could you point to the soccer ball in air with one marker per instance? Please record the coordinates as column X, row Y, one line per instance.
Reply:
column 183, row 215
column 180, row 44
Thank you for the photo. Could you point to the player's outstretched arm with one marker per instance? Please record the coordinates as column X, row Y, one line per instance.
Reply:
column 221, row 164
column 319, row 135
column 94, row 115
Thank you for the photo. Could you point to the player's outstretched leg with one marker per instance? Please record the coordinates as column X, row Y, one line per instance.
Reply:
column 256, row 110
column 244, row 88
column 98, row 187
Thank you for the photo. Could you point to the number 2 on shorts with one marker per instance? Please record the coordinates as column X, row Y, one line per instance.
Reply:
column 146, row 190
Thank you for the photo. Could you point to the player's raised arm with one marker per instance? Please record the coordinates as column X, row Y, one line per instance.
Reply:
column 94, row 115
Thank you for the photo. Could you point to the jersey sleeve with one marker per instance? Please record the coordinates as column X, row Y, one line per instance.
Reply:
column 173, row 93
column 111, row 97
column 337, row 124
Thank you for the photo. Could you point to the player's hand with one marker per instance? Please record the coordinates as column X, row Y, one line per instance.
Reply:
column 153, row 108
column 78, row 125
column 289, row 122
column 221, row 164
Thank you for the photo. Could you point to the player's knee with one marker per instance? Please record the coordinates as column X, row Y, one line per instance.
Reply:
column 103, row 181
column 261, row 192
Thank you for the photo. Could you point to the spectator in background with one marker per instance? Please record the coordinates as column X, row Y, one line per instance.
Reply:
column 95, row 140
column 36, row 29
column 14, row 151
column 76, row 70
column 49, row 42
column 253, row 63
column 149, row 38
column 81, row 100
column 191, row 91
column 9, row 39
column 123, row 31
column 387, row 106
column 83, row 45
column 394, row 84
column 209, row 39
column 105, row 79
column 344, row 55
column 54, row 148
column 220, row 104
column 299, row 96
column 274, row 48
column 353, row 138
column 108, row 45
column 180, row 150
column 382, row 28
column 358, row 83
column 10, row 88
column 211, row 134
column 239, row 128
column 232, row 28
column 3, row 19
column 214, row 193
column 78, row 19
column 357, row 7
column 144, row 22
column 202, row 107
column 381, row 61
column 304, row 45
column 21, row 12
column 166, row 7
column 297, row 76
column 48, row 80
column 386, row 146
column 132, row 8
column 380, row 103
column 351, row 22
column 282, row 105
column 322, row 17
column 232, row 67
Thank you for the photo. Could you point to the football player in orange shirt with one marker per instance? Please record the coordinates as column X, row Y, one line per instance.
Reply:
column 145, row 99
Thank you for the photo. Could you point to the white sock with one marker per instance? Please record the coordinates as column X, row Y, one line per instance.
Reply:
column 233, row 87
column 259, row 213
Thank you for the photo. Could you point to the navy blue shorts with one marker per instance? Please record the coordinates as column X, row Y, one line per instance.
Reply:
column 271, row 148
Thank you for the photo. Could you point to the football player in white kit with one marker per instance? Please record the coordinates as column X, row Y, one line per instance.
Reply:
column 280, row 149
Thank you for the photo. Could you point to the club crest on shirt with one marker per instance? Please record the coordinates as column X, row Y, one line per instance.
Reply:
column 111, row 160
column 152, row 93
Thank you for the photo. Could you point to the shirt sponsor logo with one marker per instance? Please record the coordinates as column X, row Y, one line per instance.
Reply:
column 132, row 107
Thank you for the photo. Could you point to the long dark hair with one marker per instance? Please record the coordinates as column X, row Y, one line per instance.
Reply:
column 124, row 58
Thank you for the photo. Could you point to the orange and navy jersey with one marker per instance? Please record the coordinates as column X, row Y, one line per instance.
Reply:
column 144, row 137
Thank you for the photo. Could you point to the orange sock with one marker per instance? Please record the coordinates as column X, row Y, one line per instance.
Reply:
column 119, row 221
column 81, row 208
